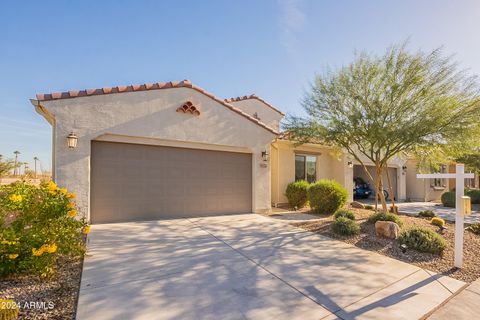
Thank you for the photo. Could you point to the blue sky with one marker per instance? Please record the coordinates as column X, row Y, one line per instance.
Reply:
column 230, row 48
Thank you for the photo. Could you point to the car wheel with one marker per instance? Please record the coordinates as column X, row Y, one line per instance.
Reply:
column 385, row 194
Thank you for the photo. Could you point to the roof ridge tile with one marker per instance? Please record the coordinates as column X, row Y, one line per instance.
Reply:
column 154, row 86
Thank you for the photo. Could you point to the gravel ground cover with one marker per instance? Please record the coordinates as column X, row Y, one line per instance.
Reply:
column 55, row 298
column 441, row 264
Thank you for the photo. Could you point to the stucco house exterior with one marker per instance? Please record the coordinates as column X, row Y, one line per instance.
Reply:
column 166, row 150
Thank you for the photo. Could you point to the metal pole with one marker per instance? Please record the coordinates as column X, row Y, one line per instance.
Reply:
column 459, row 192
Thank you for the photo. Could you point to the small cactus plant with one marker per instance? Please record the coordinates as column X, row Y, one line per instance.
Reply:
column 439, row 222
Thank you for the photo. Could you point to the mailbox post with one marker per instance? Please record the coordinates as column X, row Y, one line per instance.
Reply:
column 462, row 205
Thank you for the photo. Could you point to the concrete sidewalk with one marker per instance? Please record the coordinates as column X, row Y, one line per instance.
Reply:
column 246, row 267
column 464, row 306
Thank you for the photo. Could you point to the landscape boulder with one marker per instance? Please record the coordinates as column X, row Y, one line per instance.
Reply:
column 356, row 204
column 387, row 229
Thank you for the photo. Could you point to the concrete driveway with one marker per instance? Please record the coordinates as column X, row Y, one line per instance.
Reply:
column 246, row 267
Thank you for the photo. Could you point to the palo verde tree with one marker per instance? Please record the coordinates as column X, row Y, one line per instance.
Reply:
column 378, row 107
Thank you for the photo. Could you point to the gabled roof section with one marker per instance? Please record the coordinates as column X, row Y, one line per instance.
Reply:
column 254, row 96
column 145, row 87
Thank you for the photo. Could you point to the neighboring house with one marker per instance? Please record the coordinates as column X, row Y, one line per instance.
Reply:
column 168, row 150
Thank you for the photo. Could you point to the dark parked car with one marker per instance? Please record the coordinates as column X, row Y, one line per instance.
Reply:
column 361, row 189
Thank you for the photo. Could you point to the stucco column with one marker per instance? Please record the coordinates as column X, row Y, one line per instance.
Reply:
column 72, row 167
column 261, row 181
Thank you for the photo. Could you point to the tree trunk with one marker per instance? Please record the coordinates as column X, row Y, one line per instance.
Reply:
column 390, row 190
column 379, row 190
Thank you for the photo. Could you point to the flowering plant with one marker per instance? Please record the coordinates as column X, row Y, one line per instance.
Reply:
column 37, row 224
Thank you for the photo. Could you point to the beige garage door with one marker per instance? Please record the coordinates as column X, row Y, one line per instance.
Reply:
column 131, row 182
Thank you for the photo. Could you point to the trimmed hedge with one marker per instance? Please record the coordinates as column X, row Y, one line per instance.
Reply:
column 327, row 196
column 297, row 193
column 448, row 198
column 423, row 240
column 344, row 213
column 384, row 217
column 345, row 227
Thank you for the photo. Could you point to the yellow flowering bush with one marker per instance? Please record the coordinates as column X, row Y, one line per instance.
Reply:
column 37, row 224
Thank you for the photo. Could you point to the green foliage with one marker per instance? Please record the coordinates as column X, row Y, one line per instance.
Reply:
column 402, row 102
column 369, row 207
column 344, row 213
column 327, row 196
column 475, row 228
column 439, row 222
column 36, row 225
column 345, row 227
column 423, row 240
column 426, row 214
column 474, row 194
column 381, row 216
column 296, row 193
column 6, row 166
column 448, row 199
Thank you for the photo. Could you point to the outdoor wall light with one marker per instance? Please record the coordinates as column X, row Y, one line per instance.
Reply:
column 404, row 167
column 350, row 164
column 265, row 155
column 72, row 140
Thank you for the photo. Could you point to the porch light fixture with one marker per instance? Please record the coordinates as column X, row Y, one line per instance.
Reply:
column 404, row 167
column 350, row 164
column 265, row 155
column 72, row 140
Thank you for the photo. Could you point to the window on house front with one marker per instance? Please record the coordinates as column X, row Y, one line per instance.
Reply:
column 439, row 182
column 306, row 168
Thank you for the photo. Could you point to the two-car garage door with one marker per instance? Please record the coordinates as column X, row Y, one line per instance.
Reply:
column 131, row 182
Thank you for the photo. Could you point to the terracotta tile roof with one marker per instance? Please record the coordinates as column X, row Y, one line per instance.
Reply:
column 144, row 87
column 254, row 96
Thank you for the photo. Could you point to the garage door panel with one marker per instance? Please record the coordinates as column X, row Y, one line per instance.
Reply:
column 137, row 182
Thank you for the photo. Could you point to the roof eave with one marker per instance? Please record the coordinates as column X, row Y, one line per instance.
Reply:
column 43, row 111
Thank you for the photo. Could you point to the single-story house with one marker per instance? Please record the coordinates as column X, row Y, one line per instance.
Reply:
column 166, row 150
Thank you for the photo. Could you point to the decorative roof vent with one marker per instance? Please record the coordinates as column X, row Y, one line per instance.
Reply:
column 188, row 107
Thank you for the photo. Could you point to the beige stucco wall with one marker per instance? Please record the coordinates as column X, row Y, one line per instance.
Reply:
column 150, row 117
column 266, row 114
column 329, row 166
column 421, row 189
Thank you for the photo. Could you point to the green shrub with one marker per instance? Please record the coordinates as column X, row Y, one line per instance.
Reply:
column 345, row 227
column 36, row 225
column 296, row 193
column 439, row 222
column 344, row 213
column 327, row 196
column 426, row 214
column 423, row 240
column 384, row 217
column 474, row 194
column 369, row 207
column 448, row 199
column 475, row 228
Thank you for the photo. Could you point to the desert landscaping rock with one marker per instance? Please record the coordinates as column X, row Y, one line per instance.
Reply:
column 387, row 229
column 61, row 291
column 357, row 205
column 438, row 263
